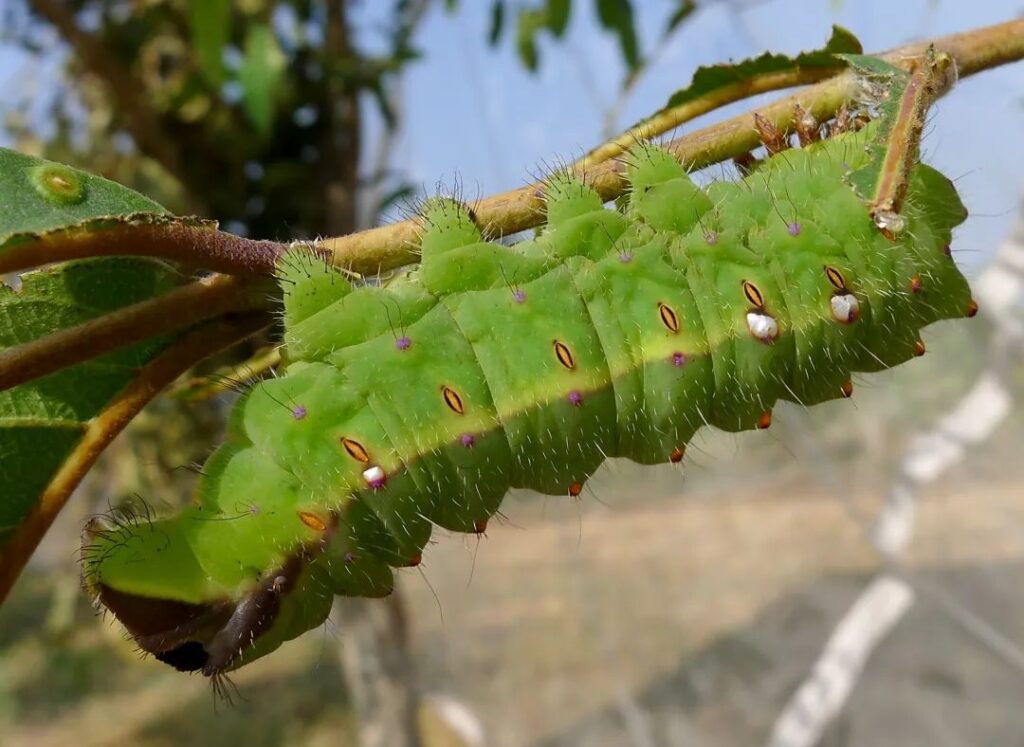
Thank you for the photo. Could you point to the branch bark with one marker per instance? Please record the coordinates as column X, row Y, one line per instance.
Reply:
column 182, row 307
column 192, row 245
column 396, row 244
column 669, row 119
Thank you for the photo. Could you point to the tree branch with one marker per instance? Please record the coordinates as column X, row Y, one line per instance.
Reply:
column 390, row 246
column 199, row 246
column 396, row 244
column 101, row 430
column 182, row 307
column 671, row 117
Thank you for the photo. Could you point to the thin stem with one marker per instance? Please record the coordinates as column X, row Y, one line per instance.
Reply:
column 180, row 308
column 201, row 388
column 101, row 430
column 670, row 118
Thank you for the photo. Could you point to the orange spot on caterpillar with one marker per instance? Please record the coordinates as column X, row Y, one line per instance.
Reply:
column 355, row 450
column 835, row 277
column 915, row 284
column 453, row 400
column 668, row 317
column 972, row 308
column 919, row 348
column 847, row 388
column 564, row 355
column 753, row 294
column 312, row 521
column 479, row 526
column 765, row 421
column 415, row 560
column 677, row 455
column 575, row 489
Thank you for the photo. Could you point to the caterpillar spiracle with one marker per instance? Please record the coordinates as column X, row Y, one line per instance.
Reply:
column 614, row 332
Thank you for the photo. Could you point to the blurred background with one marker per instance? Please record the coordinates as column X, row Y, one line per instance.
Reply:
column 850, row 577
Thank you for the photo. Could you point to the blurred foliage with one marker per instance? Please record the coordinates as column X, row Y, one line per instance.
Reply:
column 247, row 111
column 552, row 16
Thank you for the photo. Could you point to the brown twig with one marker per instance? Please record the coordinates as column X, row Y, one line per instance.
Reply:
column 393, row 245
column 190, row 244
column 101, row 430
column 180, row 308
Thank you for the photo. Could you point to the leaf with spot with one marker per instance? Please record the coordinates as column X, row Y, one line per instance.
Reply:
column 40, row 197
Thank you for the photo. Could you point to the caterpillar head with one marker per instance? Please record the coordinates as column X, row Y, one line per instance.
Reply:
column 147, row 577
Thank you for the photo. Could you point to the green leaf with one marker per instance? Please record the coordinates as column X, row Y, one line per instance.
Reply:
column 713, row 77
column 530, row 21
column 617, row 16
column 680, row 14
column 558, row 16
column 553, row 16
column 209, row 23
column 261, row 75
column 43, row 420
column 39, row 197
column 497, row 22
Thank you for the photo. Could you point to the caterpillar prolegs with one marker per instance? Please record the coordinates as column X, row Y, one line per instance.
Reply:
column 614, row 332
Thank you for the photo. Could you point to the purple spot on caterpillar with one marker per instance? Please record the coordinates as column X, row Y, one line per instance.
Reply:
column 299, row 412
column 403, row 343
column 349, row 557
column 711, row 237
column 678, row 359
column 519, row 295
column 467, row 440
column 794, row 229
column 575, row 398
column 948, row 250
column 625, row 257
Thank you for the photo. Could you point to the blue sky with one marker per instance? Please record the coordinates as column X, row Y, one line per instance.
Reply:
column 476, row 115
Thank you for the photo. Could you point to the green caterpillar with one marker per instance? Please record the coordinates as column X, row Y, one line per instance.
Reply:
column 612, row 333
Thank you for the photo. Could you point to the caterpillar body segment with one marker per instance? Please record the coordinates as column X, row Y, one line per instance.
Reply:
column 612, row 332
